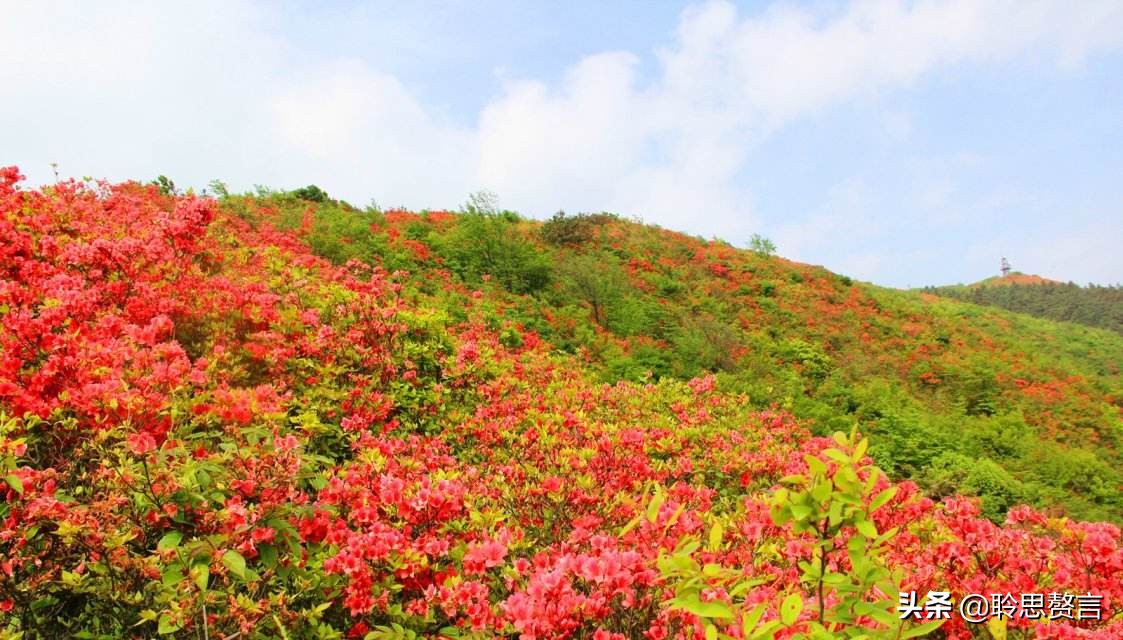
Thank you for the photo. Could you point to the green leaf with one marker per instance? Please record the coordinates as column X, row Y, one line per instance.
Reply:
column 766, row 630
column 780, row 515
column 654, row 506
column 860, row 450
column 687, row 547
column 14, row 482
column 716, row 534
column 887, row 618
column 172, row 576
column 691, row 604
column 815, row 465
column 630, row 525
column 170, row 540
column 235, row 563
column 835, row 513
column 822, row 490
column 866, row 528
column 744, row 585
column 750, row 619
column 675, row 516
column 872, row 479
column 790, row 609
column 884, row 537
column 800, row 511
column 711, row 632
column 921, row 629
column 166, row 626
column 882, row 498
column 268, row 555
column 712, row 570
column 997, row 628
column 202, row 577
column 810, row 570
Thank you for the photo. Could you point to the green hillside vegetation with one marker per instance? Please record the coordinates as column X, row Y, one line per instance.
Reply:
column 1092, row 305
column 958, row 397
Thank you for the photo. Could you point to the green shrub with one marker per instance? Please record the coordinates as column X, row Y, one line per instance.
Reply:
column 490, row 244
column 565, row 230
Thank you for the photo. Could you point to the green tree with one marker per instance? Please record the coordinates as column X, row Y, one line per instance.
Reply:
column 165, row 185
column 762, row 246
column 311, row 193
column 489, row 243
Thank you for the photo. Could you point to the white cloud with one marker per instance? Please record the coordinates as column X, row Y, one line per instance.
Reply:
column 843, row 218
column 360, row 129
column 129, row 90
column 539, row 146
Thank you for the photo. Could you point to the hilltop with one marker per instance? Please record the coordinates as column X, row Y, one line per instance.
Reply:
column 1012, row 278
column 275, row 414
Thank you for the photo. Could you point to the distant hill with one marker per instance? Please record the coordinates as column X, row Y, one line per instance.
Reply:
column 1091, row 305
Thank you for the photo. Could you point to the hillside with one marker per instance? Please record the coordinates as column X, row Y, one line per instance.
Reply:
column 986, row 403
column 276, row 415
column 1092, row 305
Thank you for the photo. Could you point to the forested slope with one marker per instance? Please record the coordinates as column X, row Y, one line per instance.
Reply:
column 1093, row 305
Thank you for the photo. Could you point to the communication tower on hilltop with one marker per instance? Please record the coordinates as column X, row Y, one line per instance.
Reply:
column 1005, row 267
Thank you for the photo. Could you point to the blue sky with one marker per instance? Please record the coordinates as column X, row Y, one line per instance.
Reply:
column 904, row 143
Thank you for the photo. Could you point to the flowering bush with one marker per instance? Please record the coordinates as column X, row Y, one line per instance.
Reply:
column 208, row 431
